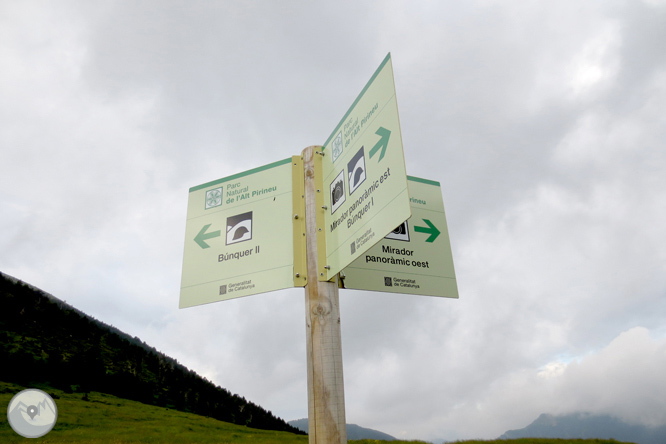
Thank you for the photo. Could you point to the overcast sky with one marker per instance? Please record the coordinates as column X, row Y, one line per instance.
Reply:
column 544, row 122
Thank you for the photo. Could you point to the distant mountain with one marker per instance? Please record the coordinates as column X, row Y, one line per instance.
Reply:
column 44, row 341
column 586, row 426
column 354, row 431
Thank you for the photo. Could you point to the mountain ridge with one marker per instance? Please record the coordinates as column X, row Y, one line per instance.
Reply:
column 354, row 431
column 582, row 425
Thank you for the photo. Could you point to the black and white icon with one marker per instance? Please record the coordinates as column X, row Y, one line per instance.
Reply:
column 400, row 233
column 213, row 198
column 32, row 413
column 337, row 192
column 353, row 247
column 388, row 282
column 239, row 228
column 356, row 170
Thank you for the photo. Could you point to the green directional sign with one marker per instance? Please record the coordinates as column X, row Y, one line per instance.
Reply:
column 415, row 258
column 363, row 186
column 239, row 236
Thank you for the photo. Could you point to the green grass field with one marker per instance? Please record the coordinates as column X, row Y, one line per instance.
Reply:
column 105, row 419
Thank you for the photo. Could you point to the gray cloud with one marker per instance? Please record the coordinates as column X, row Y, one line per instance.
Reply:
column 544, row 124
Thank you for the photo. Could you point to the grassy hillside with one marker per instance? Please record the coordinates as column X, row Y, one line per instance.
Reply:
column 106, row 419
column 43, row 340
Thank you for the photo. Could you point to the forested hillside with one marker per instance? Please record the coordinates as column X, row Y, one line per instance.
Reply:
column 46, row 341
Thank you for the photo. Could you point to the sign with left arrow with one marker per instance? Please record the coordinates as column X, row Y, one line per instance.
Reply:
column 239, row 235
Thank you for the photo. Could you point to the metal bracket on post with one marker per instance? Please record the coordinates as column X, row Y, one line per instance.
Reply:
column 319, row 211
column 298, row 221
column 326, row 396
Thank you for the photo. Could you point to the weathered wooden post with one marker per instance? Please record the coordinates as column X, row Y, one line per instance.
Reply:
column 326, row 396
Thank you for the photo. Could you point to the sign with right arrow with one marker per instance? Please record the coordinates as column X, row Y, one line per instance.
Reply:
column 363, row 179
column 415, row 258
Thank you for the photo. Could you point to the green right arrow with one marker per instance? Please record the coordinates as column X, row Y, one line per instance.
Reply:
column 430, row 229
column 203, row 236
column 382, row 144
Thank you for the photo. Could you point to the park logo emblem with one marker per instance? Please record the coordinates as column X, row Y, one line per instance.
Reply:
column 337, row 146
column 214, row 198
column 239, row 228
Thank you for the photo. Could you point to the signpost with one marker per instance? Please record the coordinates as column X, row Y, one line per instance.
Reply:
column 239, row 236
column 326, row 394
column 282, row 224
column 364, row 185
column 415, row 258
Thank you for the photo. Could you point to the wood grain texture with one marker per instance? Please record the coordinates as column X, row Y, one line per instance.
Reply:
column 326, row 398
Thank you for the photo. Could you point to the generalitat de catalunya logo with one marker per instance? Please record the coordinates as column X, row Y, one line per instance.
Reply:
column 32, row 413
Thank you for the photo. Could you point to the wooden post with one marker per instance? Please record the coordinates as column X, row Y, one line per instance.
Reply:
column 326, row 395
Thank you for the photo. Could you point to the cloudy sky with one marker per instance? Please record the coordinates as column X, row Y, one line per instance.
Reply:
column 544, row 123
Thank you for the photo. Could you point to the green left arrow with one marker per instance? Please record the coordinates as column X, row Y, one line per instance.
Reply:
column 383, row 142
column 203, row 236
column 430, row 229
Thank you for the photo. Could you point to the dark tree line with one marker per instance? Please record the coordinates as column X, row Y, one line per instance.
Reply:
column 44, row 340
